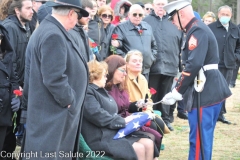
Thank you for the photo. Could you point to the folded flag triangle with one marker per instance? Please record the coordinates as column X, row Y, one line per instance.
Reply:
column 140, row 120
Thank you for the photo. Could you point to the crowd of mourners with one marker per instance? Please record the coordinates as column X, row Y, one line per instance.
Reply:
column 80, row 69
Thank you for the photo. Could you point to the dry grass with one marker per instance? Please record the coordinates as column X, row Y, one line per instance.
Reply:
column 226, row 139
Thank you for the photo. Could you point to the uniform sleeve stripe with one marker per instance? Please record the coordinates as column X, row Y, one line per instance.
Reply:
column 186, row 73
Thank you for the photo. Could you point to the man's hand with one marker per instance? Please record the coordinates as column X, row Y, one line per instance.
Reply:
column 171, row 97
column 15, row 104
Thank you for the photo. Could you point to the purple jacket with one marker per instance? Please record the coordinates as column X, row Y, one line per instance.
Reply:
column 122, row 100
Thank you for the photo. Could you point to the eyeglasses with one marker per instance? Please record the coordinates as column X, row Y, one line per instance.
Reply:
column 79, row 14
column 139, row 14
column 122, row 70
column 107, row 16
column 148, row 9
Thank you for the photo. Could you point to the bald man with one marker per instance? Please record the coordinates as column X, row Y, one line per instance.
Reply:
column 200, row 53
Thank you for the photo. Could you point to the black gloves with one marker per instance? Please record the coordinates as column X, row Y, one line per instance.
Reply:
column 15, row 104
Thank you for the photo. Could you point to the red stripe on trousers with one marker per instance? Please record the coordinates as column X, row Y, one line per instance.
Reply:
column 198, row 148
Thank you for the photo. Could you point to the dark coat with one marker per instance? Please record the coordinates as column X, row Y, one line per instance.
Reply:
column 105, row 45
column 130, row 39
column 228, row 43
column 216, row 88
column 8, row 81
column 80, row 37
column 19, row 37
column 96, row 30
column 58, row 77
column 101, row 123
column 168, row 39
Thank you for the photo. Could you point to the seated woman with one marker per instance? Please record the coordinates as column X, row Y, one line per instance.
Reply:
column 101, row 122
column 117, row 89
column 137, row 87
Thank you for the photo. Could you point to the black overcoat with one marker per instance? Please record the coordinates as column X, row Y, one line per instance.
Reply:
column 57, row 77
column 101, row 123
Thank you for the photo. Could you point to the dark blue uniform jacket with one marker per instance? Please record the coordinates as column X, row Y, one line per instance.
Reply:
column 201, row 49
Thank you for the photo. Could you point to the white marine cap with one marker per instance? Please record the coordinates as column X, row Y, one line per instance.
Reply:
column 172, row 7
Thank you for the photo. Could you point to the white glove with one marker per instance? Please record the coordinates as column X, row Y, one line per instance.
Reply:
column 168, row 101
column 176, row 95
column 171, row 97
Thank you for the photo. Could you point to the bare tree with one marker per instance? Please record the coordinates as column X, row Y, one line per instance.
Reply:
column 238, row 11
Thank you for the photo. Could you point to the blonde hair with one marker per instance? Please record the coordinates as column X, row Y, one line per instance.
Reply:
column 105, row 8
column 96, row 69
column 209, row 14
column 133, row 52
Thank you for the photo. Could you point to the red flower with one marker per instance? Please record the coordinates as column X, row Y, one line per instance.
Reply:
column 17, row 92
column 152, row 91
column 140, row 32
column 114, row 36
column 148, row 124
column 93, row 45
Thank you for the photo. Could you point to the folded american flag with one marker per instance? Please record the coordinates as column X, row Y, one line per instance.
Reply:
column 135, row 124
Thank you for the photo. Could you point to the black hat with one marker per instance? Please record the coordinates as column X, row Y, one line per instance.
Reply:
column 69, row 3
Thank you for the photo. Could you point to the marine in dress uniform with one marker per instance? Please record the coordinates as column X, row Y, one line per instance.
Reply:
column 200, row 52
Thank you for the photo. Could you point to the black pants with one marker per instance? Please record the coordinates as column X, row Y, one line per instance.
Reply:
column 9, row 145
column 3, row 132
column 234, row 76
column 227, row 74
column 162, row 84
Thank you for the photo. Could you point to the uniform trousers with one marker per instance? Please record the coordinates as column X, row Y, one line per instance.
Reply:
column 208, row 117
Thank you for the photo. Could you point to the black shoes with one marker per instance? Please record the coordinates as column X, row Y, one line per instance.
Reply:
column 170, row 126
column 182, row 115
column 222, row 119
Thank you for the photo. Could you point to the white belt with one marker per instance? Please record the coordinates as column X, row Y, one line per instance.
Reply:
column 210, row 67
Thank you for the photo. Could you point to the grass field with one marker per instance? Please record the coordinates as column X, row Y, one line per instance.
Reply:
column 226, row 139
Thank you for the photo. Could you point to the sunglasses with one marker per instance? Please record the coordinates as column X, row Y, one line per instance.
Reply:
column 107, row 16
column 148, row 9
column 139, row 15
column 79, row 14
